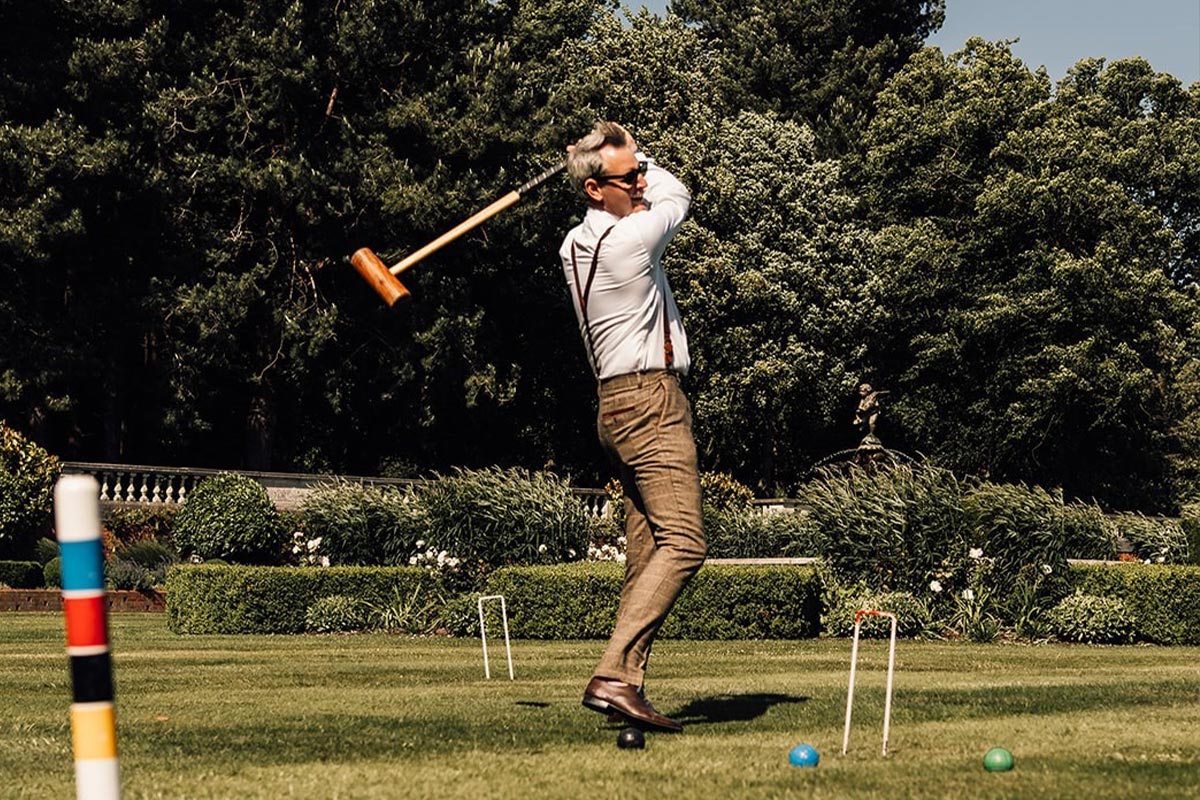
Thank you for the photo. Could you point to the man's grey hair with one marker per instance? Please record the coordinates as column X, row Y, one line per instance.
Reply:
column 584, row 161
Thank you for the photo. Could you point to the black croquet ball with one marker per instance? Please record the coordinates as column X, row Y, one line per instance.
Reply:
column 630, row 739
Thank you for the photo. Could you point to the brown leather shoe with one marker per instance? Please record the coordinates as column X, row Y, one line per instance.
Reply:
column 616, row 716
column 605, row 695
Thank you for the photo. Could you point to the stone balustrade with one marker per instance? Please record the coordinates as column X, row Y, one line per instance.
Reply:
column 137, row 484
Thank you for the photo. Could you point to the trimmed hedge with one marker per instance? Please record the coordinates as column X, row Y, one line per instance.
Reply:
column 568, row 601
column 579, row 601
column 1091, row 619
column 240, row 599
column 1164, row 600
column 21, row 574
column 723, row 601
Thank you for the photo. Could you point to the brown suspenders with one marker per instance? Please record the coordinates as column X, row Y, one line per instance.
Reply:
column 583, row 292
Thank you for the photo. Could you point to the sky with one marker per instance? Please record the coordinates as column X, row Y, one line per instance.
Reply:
column 1058, row 33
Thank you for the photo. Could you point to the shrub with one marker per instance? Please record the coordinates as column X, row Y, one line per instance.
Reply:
column 1189, row 523
column 204, row 599
column 337, row 613
column 798, row 533
column 1022, row 537
column 912, row 615
column 147, row 553
column 1158, row 541
column 460, row 617
column 21, row 574
column 52, row 573
column 364, row 525
column 231, row 517
column 27, row 476
column 1092, row 619
column 724, row 493
column 416, row 612
column 1164, row 600
column 753, row 534
column 973, row 615
column 1088, row 532
column 890, row 529
column 45, row 549
column 129, row 575
column 142, row 523
column 493, row 517
column 579, row 601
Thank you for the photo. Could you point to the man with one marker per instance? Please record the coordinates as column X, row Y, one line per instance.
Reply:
column 638, row 350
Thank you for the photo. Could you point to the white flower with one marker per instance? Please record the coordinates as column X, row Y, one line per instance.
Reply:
column 570, row 553
column 313, row 544
column 420, row 542
column 297, row 536
column 968, row 594
column 541, row 548
column 1160, row 560
column 296, row 549
column 934, row 586
column 412, row 562
column 976, row 552
column 620, row 558
column 1046, row 569
column 324, row 561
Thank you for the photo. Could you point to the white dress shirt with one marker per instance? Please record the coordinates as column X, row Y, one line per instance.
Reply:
column 630, row 295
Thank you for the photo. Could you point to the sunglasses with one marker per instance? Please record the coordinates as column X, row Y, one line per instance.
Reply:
column 630, row 177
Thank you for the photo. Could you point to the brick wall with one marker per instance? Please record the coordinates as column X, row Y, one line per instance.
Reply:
column 51, row 600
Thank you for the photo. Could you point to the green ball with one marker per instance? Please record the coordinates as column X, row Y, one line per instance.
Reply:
column 997, row 760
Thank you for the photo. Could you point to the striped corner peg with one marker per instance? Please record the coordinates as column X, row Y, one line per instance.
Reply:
column 93, row 719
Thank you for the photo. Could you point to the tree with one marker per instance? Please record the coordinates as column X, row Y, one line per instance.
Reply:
column 817, row 61
column 1050, row 248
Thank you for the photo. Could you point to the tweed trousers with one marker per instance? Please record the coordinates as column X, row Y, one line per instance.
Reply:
column 645, row 425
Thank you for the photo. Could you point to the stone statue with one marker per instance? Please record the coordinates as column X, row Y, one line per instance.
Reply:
column 866, row 415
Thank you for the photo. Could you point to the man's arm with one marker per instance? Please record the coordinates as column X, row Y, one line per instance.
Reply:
column 668, row 202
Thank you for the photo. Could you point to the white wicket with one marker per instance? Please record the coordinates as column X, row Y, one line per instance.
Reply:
column 887, row 707
column 487, row 670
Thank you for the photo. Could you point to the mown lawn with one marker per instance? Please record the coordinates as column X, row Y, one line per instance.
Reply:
column 378, row 716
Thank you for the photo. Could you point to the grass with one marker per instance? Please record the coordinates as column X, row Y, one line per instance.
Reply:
column 378, row 716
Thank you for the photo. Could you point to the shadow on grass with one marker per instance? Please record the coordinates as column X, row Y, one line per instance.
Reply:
column 731, row 707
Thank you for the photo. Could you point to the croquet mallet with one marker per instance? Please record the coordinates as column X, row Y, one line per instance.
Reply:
column 384, row 278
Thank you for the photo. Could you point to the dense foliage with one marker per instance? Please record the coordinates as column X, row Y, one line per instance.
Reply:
column 354, row 523
column 180, row 185
column 21, row 574
column 230, row 517
column 227, row 599
column 579, row 601
column 491, row 518
column 1164, row 601
column 1092, row 619
column 27, row 475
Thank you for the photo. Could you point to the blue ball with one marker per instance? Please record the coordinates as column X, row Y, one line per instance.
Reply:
column 804, row 755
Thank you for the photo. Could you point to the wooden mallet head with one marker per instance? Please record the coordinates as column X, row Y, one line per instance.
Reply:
column 384, row 278
column 379, row 276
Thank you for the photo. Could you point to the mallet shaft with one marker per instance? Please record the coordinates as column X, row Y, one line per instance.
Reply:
column 384, row 279
column 457, row 231
column 478, row 218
